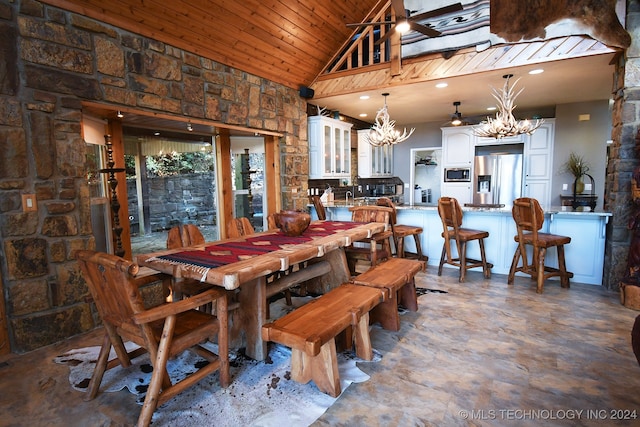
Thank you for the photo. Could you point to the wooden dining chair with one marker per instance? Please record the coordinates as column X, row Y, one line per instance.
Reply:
column 184, row 235
column 375, row 248
column 402, row 231
column 317, row 204
column 238, row 227
column 163, row 331
column 529, row 218
column 451, row 217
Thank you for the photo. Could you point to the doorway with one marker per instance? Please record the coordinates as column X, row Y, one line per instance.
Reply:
column 425, row 176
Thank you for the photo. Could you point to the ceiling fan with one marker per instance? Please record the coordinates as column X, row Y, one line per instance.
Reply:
column 405, row 22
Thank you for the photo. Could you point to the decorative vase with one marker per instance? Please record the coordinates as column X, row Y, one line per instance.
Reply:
column 579, row 184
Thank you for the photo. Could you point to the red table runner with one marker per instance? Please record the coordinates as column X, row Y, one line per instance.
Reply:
column 216, row 255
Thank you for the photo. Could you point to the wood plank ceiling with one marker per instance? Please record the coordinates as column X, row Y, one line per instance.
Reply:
column 288, row 42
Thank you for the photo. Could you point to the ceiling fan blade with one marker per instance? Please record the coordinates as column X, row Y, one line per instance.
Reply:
column 385, row 37
column 364, row 24
column 437, row 12
column 427, row 31
column 398, row 7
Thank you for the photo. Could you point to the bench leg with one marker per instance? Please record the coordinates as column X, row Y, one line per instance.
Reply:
column 321, row 369
column 408, row 297
column 363, row 339
column 386, row 313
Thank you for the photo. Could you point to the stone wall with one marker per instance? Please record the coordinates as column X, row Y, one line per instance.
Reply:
column 52, row 61
column 623, row 157
column 175, row 200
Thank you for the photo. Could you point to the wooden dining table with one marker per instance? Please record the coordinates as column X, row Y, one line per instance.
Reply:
column 245, row 263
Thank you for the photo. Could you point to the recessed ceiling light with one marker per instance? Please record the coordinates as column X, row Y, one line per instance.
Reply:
column 365, row 97
column 536, row 71
column 363, row 114
column 441, row 85
column 156, row 133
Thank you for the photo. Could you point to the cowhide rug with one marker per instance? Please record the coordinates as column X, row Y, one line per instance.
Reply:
column 260, row 394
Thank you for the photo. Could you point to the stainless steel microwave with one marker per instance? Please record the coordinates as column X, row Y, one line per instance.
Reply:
column 457, row 175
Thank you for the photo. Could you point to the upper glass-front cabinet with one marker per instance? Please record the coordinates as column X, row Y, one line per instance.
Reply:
column 373, row 161
column 329, row 148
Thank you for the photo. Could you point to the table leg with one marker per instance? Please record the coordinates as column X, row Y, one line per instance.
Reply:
column 253, row 314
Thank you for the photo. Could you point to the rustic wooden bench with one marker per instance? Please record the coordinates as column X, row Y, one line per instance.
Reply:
column 396, row 277
column 311, row 332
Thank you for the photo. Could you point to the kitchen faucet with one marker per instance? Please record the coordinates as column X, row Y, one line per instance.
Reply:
column 346, row 196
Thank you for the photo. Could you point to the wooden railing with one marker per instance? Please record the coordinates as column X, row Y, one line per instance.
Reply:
column 361, row 50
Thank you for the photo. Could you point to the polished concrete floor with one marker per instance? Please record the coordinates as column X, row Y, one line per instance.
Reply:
column 481, row 354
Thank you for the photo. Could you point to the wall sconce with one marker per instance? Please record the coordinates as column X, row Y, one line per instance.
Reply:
column 189, row 127
column 119, row 114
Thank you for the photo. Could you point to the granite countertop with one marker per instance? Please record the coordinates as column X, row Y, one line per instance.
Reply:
column 552, row 210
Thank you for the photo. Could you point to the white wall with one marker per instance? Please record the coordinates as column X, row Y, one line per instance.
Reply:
column 586, row 138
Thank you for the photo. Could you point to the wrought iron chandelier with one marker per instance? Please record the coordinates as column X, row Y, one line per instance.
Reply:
column 383, row 131
column 505, row 124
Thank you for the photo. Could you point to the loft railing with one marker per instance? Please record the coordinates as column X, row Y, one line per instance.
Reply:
column 361, row 50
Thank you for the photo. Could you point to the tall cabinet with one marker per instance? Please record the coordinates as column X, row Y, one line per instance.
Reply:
column 538, row 161
column 373, row 162
column 329, row 148
column 458, row 145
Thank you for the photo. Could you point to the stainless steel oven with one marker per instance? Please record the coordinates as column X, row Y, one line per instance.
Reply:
column 457, row 175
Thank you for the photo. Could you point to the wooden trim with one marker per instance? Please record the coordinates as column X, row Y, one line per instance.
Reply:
column 223, row 179
column 272, row 175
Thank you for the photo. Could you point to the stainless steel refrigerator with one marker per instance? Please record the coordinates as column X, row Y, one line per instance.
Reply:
column 497, row 178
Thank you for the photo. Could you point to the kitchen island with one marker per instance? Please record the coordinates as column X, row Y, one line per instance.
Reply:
column 584, row 255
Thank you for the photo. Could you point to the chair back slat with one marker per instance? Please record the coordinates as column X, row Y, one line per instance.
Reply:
column 183, row 236
column 450, row 213
column 110, row 281
column 239, row 227
column 528, row 215
column 317, row 203
column 385, row 201
column 368, row 214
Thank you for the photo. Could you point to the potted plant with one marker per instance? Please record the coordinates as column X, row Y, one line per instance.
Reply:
column 577, row 166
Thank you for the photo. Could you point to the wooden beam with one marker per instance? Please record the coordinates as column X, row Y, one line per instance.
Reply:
column 223, row 180
column 272, row 174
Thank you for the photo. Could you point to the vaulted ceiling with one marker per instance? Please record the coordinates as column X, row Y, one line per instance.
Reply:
column 291, row 42
column 285, row 41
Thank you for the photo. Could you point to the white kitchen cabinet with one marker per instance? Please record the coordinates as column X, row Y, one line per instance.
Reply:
column 584, row 256
column 458, row 144
column 329, row 148
column 458, row 190
column 538, row 155
column 373, row 162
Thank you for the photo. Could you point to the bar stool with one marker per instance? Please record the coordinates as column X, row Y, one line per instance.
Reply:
column 317, row 203
column 400, row 231
column 451, row 216
column 529, row 218
column 369, row 251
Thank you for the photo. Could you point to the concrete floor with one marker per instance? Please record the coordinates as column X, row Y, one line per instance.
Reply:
column 510, row 355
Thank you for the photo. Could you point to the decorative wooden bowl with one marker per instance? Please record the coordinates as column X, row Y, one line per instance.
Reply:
column 292, row 223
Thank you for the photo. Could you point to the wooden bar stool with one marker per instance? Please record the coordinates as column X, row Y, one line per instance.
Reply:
column 400, row 231
column 369, row 251
column 451, row 216
column 529, row 218
column 317, row 203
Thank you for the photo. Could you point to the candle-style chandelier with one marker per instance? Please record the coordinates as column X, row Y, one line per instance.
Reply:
column 505, row 124
column 383, row 131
